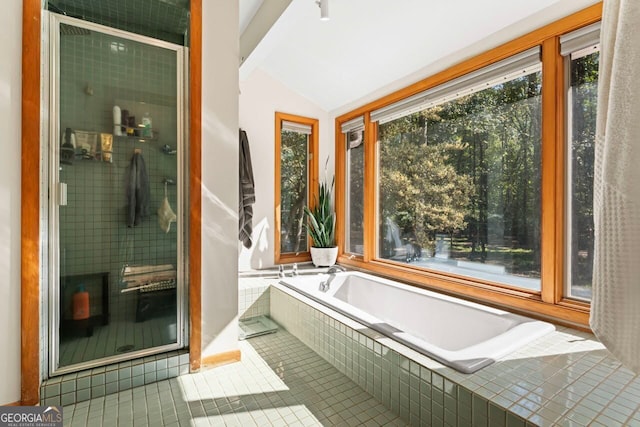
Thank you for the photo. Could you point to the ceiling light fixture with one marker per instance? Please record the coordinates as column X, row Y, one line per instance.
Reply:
column 324, row 9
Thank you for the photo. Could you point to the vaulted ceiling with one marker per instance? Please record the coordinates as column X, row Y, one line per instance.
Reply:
column 369, row 44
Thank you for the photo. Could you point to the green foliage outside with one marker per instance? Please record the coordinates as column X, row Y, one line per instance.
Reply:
column 584, row 96
column 356, row 193
column 468, row 169
column 293, row 191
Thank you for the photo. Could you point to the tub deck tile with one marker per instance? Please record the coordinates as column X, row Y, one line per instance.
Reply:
column 566, row 377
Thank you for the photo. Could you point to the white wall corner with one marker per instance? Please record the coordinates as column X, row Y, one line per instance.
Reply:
column 220, row 55
column 267, row 15
column 261, row 97
column 10, row 106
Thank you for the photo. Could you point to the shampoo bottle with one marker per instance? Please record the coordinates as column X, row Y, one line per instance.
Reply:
column 147, row 132
column 80, row 304
column 67, row 150
column 117, row 121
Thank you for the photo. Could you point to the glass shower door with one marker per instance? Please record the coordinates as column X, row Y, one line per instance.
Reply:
column 116, row 221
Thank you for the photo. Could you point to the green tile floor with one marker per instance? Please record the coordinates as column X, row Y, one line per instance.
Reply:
column 279, row 382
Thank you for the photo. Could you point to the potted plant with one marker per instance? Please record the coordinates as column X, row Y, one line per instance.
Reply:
column 321, row 226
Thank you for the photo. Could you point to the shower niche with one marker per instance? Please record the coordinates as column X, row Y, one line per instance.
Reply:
column 117, row 282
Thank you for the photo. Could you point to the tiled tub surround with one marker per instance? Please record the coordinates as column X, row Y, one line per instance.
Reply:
column 93, row 383
column 475, row 334
column 253, row 297
column 253, row 287
column 564, row 378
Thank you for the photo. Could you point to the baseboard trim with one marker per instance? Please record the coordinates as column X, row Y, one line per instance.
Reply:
column 221, row 359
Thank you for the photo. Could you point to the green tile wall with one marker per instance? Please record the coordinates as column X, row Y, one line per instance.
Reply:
column 105, row 380
column 420, row 396
column 98, row 71
column 161, row 19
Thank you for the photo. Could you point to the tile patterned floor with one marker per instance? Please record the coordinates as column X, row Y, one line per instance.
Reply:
column 279, row 382
column 107, row 340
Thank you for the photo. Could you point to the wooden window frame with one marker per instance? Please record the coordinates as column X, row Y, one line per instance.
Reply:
column 342, row 226
column 312, row 184
column 564, row 157
column 549, row 303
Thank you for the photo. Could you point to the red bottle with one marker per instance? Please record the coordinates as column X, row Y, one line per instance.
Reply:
column 81, row 304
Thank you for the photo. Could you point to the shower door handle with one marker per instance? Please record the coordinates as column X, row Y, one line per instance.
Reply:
column 62, row 194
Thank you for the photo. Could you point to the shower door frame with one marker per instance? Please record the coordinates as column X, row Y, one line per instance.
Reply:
column 51, row 123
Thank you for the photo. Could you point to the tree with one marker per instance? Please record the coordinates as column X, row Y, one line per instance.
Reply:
column 356, row 190
column 584, row 88
column 293, row 191
column 469, row 167
column 420, row 188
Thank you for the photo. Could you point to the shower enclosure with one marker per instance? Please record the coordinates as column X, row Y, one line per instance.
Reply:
column 116, row 207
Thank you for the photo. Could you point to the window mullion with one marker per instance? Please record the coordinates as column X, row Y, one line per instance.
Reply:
column 552, row 221
column 370, row 184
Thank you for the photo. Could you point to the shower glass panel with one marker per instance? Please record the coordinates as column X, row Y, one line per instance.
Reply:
column 116, row 223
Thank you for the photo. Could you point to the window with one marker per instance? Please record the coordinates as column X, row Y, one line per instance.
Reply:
column 459, row 181
column 477, row 181
column 296, row 153
column 354, row 140
column 581, row 49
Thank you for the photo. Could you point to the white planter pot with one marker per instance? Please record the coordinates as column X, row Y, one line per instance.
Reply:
column 324, row 257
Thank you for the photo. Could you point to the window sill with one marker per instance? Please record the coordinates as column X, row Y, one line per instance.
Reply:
column 289, row 258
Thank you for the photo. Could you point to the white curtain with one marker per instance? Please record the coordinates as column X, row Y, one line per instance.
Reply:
column 615, row 307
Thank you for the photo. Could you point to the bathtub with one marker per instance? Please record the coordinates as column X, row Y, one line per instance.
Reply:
column 463, row 335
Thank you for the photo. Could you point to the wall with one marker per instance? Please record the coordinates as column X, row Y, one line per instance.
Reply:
column 260, row 24
column 261, row 96
column 220, row 58
column 10, row 105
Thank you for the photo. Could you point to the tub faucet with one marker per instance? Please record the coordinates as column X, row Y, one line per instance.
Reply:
column 324, row 286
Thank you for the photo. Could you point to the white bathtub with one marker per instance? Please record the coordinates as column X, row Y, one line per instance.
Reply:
column 460, row 334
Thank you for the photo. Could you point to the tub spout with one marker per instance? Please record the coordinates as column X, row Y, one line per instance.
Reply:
column 335, row 268
column 324, row 286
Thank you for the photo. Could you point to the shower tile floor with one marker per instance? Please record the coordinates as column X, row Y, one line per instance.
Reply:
column 117, row 337
column 279, row 382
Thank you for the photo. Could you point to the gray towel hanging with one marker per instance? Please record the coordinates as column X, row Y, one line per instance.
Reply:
column 138, row 191
column 247, row 195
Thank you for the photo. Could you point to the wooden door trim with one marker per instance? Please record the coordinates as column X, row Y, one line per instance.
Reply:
column 30, row 245
column 30, row 242
column 195, row 187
